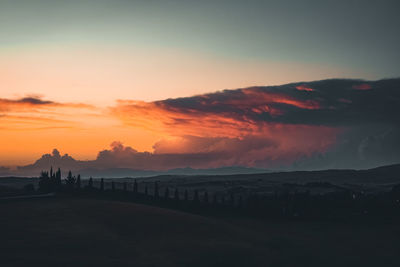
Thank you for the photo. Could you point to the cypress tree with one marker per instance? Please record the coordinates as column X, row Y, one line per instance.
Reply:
column 186, row 196
column 102, row 184
column 90, row 182
column 69, row 176
column 125, row 186
column 232, row 200
column 166, row 195
column 156, row 194
column 240, row 201
column 196, row 196
column 206, row 197
column 58, row 177
column 176, row 194
column 215, row 200
column 70, row 181
column 146, row 191
column 135, row 187
column 112, row 186
column 52, row 177
column 78, row 182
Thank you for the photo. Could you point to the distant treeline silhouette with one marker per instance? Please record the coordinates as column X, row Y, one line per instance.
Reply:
column 281, row 204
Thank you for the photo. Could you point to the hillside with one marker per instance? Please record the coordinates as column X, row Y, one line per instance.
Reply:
column 82, row 232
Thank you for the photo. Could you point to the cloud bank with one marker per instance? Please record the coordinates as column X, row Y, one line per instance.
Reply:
column 308, row 125
column 289, row 123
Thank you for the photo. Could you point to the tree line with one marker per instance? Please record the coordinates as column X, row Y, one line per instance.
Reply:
column 280, row 204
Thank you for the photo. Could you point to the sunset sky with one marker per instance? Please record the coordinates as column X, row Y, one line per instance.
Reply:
column 152, row 76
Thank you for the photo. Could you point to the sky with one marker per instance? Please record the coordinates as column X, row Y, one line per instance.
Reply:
column 149, row 76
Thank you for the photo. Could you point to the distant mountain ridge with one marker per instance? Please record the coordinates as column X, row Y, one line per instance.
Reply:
column 90, row 168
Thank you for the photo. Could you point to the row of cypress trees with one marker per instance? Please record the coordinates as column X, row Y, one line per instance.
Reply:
column 50, row 181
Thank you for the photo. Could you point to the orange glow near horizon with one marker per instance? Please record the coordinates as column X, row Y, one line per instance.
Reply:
column 33, row 126
column 65, row 97
column 30, row 130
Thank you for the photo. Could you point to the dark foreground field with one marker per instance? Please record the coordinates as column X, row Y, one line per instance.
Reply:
column 89, row 232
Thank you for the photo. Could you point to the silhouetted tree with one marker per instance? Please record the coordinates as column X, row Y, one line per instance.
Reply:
column 90, row 184
column 232, row 200
column 215, row 200
column 58, row 178
column 166, row 195
column 125, row 186
column 146, row 191
column 240, row 201
column 78, row 182
column 156, row 194
column 186, row 195
column 176, row 194
column 102, row 184
column 135, row 187
column 112, row 186
column 196, row 196
column 206, row 197
column 70, row 181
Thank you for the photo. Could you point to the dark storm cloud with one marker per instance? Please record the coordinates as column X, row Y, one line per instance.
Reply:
column 317, row 122
column 335, row 102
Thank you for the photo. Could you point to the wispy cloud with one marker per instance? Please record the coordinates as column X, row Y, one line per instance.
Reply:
column 36, row 113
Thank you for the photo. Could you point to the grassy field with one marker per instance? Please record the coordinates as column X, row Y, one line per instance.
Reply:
column 89, row 232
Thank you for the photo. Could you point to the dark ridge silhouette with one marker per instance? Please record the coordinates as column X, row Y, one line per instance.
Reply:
column 289, row 202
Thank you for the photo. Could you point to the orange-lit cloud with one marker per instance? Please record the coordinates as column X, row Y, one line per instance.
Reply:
column 270, row 127
column 304, row 88
column 230, row 113
column 241, row 126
